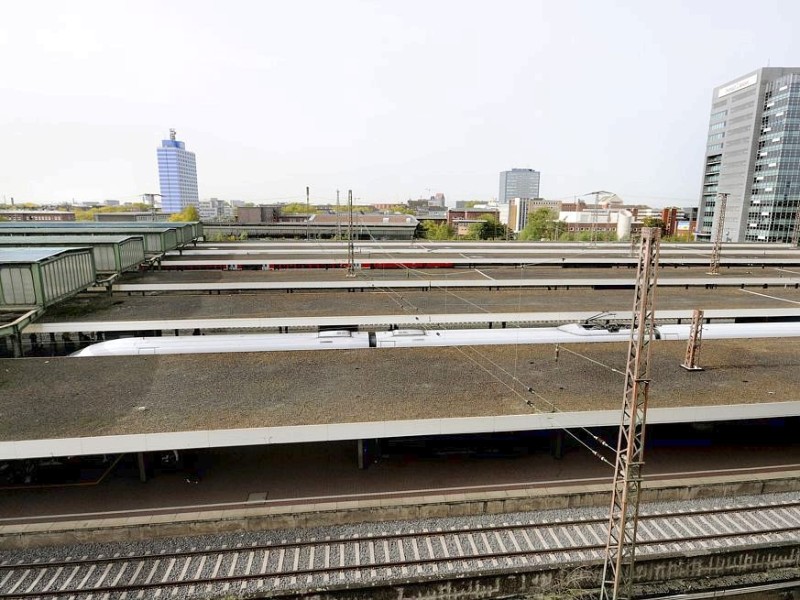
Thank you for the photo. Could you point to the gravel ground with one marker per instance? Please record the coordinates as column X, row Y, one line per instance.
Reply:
column 292, row 388
column 69, row 397
column 121, row 307
column 428, row 547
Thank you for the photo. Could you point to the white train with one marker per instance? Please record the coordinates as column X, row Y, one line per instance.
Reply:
column 419, row 338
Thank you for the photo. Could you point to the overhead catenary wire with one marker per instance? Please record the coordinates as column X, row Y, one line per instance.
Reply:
column 529, row 403
column 514, row 378
column 597, row 362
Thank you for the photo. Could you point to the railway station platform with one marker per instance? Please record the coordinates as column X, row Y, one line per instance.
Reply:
column 83, row 406
column 253, row 490
column 445, row 284
column 480, row 319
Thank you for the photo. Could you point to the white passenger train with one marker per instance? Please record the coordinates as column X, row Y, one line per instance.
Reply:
column 419, row 338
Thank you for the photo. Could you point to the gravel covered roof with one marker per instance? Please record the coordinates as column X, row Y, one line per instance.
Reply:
column 121, row 307
column 77, row 397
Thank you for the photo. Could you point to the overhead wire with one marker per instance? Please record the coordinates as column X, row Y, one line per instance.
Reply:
column 591, row 360
column 513, row 376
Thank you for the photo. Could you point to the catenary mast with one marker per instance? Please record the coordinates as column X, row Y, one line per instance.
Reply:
column 621, row 542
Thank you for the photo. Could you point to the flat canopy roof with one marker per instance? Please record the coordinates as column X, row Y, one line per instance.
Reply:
column 90, row 224
column 31, row 255
column 754, row 246
column 380, row 219
column 85, row 404
column 512, row 284
column 62, row 228
column 269, row 249
column 337, row 307
column 416, row 320
column 27, row 240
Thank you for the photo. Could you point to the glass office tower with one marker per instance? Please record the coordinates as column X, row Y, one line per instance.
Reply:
column 177, row 172
column 518, row 183
column 753, row 155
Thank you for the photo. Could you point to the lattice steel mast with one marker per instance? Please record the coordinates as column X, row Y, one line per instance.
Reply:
column 621, row 543
column 695, row 339
column 796, row 228
column 338, row 218
column 594, row 216
column 351, row 250
column 716, row 252
column 308, row 213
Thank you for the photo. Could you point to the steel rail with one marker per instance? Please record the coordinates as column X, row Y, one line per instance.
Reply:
column 150, row 563
column 392, row 564
column 298, row 543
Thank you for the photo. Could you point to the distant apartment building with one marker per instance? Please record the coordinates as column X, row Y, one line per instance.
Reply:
column 753, row 155
column 576, row 206
column 461, row 227
column 687, row 221
column 259, row 214
column 461, row 219
column 421, row 205
column 206, row 210
column 177, row 173
column 621, row 222
column 37, row 215
column 669, row 216
column 136, row 216
column 471, row 214
column 518, row 183
column 428, row 205
column 520, row 208
column 214, row 209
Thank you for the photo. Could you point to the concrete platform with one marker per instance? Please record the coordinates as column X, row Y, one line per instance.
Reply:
column 322, row 486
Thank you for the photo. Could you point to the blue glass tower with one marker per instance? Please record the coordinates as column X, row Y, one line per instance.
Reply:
column 177, row 173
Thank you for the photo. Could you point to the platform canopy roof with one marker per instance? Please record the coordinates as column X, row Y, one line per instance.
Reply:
column 31, row 255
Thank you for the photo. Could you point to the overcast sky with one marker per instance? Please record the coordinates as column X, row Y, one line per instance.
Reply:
column 394, row 99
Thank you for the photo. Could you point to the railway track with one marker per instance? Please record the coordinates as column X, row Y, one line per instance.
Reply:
column 286, row 565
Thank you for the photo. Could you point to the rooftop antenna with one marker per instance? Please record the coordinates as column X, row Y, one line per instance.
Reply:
column 172, row 134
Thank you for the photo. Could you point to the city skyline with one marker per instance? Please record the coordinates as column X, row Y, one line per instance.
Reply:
column 394, row 101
